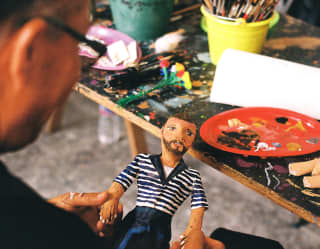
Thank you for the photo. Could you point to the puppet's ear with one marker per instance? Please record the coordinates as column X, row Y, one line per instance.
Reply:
column 162, row 129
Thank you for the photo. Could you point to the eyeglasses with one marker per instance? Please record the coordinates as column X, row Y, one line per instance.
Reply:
column 95, row 45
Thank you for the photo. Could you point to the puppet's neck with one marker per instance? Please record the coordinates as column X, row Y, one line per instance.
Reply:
column 170, row 159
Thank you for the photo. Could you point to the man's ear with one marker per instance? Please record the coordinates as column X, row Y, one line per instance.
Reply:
column 26, row 46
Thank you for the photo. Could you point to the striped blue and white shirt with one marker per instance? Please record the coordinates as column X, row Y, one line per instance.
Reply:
column 156, row 191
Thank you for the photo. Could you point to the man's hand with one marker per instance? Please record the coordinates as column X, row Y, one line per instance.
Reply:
column 197, row 240
column 87, row 206
column 192, row 239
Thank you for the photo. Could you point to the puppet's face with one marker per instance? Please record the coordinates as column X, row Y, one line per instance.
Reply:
column 178, row 135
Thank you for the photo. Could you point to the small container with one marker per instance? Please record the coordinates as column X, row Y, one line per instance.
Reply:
column 109, row 126
column 223, row 34
column 142, row 19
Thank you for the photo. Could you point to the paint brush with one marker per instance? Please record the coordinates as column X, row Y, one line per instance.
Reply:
column 208, row 3
column 223, row 10
column 228, row 7
column 234, row 8
column 257, row 12
column 214, row 4
column 267, row 9
column 249, row 15
column 271, row 9
column 239, row 9
column 250, row 10
column 218, row 7
column 244, row 9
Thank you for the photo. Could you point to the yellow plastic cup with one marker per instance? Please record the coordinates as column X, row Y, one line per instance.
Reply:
column 239, row 35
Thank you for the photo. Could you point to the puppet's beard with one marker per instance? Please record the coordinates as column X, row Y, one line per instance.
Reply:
column 175, row 147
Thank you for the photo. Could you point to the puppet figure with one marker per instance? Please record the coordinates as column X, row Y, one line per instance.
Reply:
column 164, row 181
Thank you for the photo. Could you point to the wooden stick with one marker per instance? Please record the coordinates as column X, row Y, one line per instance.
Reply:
column 302, row 168
column 209, row 5
column 316, row 169
column 311, row 181
column 214, row 6
column 178, row 12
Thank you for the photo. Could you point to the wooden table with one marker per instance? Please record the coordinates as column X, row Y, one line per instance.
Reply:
column 290, row 39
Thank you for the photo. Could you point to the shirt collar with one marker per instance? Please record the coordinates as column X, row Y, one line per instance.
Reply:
column 155, row 159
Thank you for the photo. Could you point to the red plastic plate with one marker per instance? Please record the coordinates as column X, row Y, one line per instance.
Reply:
column 262, row 131
column 110, row 36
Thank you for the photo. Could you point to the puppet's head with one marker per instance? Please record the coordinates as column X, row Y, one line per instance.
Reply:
column 178, row 134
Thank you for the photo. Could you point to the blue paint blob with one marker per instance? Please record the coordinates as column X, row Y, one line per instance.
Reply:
column 278, row 145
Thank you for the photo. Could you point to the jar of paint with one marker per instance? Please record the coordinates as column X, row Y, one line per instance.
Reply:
column 141, row 19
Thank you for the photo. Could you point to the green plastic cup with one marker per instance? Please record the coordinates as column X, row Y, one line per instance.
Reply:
column 141, row 19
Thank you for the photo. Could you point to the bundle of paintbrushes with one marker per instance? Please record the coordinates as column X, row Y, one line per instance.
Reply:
column 250, row 10
column 148, row 67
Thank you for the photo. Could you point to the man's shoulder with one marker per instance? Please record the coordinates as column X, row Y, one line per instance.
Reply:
column 29, row 221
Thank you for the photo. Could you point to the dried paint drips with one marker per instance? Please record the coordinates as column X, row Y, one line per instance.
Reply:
column 280, row 169
column 266, row 170
column 246, row 164
column 270, row 167
column 278, row 182
column 239, row 139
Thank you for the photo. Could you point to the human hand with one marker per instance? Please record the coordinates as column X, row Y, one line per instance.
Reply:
column 87, row 206
column 192, row 238
column 196, row 239
column 109, row 211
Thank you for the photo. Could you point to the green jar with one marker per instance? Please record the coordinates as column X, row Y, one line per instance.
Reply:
column 141, row 19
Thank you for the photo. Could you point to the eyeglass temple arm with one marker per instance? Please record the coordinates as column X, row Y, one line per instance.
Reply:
column 100, row 48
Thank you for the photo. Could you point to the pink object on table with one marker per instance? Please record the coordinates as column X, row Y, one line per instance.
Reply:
column 109, row 36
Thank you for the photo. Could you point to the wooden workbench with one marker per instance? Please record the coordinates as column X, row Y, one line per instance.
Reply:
column 290, row 39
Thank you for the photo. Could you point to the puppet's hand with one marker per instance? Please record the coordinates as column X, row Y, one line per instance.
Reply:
column 107, row 230
column 109, row 211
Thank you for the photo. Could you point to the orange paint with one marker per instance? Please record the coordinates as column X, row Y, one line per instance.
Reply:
column 294, row 146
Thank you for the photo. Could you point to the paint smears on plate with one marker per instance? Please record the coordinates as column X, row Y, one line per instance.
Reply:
column 262, row 131
column 313, row 140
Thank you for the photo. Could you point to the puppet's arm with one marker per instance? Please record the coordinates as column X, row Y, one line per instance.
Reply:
column 109, row 210
column 190, row 240
column 195, row 221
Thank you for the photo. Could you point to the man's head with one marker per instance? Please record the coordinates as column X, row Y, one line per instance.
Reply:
column 178, row 134
column 38, row 64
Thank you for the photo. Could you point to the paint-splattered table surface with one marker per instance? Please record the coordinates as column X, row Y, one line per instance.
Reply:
column 290, row 39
